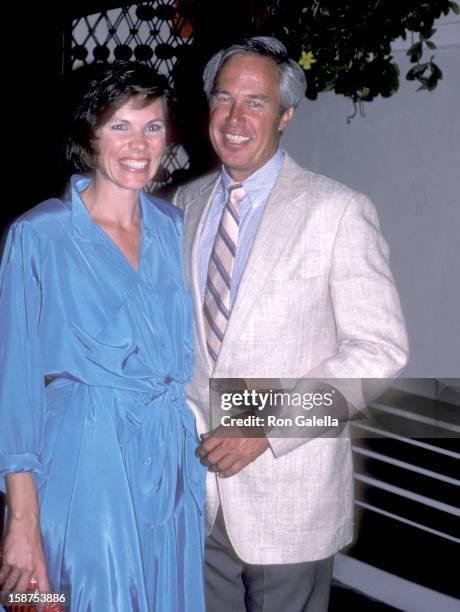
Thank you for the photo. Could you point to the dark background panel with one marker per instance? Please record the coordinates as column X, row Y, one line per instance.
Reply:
column 407, row 552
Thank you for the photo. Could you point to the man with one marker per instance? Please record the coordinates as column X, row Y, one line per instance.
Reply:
column 303, row 290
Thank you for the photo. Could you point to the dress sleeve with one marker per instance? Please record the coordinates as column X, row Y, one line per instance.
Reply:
column 21, row 371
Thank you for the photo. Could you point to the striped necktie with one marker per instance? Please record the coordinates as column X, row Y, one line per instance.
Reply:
column 217, row 304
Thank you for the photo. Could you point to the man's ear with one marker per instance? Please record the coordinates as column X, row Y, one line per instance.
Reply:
column 285, row 118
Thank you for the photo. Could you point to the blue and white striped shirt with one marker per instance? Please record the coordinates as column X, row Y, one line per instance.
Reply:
column 258, row 187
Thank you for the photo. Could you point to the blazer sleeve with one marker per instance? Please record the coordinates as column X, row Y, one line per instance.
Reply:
column 372, row 344
column 21, row 371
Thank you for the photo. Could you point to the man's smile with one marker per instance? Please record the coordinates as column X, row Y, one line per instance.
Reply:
column 235, row 139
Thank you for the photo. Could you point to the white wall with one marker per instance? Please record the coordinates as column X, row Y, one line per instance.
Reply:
column 404, row 154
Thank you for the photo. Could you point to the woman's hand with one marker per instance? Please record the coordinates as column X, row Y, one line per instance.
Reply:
column 23, row 558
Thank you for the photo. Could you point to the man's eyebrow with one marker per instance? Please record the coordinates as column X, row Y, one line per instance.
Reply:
column 259, row 97
column 224, row 92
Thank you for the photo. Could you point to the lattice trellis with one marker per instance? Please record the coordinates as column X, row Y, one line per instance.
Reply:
column 155, row 32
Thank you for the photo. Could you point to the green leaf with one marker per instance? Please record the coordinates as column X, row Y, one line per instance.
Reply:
column 430, row 44
column 432, row 81
column 338, row 68
column 454, row 7
column 415, row 52
column 436, row 71
column 416, row 71
column 423, row 83
column 426, row 35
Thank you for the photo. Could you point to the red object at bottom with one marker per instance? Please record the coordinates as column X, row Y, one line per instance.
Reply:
column 55, row 607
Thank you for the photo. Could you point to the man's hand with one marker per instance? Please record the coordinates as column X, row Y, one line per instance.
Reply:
column 227, row 450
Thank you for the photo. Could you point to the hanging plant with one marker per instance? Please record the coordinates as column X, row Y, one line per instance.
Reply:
column 345, row 46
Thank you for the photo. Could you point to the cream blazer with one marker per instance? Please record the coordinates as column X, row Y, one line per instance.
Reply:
column 316, row 300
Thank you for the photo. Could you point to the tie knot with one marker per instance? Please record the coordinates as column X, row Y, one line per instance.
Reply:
column 236, row 193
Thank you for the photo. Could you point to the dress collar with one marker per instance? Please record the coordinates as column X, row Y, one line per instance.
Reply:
column 87, row 229
column 82, row 222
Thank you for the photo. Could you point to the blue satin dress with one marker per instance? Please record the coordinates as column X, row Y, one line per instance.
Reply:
column 111, row 440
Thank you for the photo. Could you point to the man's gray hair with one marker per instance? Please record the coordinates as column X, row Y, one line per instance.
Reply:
column 293, row 83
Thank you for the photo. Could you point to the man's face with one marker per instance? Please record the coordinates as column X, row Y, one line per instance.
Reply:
column 245, row 118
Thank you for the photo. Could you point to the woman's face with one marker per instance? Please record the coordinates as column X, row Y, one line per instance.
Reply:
column 130, row 144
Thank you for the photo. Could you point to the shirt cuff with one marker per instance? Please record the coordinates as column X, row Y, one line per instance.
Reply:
column 13, row 464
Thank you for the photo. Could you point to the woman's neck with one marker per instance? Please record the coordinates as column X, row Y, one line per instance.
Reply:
column 109, row 204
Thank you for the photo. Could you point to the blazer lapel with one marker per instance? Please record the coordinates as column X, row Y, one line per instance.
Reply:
column 195, row 216
column 280, row 219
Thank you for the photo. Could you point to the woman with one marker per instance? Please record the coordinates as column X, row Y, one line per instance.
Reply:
column 104, row 492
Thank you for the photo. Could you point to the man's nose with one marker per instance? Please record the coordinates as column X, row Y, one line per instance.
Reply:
column 235, row 113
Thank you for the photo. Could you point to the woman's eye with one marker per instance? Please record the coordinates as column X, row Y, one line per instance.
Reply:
column 154, row 127
column 118, row 126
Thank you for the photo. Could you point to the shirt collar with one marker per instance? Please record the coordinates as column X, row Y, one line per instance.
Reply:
column 259, row 184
